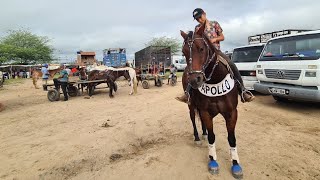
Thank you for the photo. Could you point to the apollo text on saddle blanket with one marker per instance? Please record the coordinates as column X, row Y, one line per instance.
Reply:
column 219, row 89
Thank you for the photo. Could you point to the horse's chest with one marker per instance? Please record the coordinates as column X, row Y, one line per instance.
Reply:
column 219, row 89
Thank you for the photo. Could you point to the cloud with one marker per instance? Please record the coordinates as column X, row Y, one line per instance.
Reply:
column 99, row 24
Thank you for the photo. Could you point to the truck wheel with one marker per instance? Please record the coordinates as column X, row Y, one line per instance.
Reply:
column 145, row 84
column 53, row 95
column 280, row 99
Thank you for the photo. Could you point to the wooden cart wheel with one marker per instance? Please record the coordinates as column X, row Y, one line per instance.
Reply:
column 145, row 84
column 53, row 95
column 173, row 81
column 73, row 91
column 159, row 82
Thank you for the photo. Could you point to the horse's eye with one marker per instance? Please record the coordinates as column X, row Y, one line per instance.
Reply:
column 201, row 49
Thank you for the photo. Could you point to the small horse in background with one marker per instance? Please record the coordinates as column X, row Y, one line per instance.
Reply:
column 109, row 77
column 213, row 91
column 133, row 81
column 37, row 74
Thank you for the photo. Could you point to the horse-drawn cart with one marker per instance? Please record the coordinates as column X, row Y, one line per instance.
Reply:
column 73, row 89
column 145, row 80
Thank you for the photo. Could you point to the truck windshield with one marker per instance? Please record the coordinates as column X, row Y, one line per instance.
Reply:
column 303, row 47
column 182, row 61
column 247, row 54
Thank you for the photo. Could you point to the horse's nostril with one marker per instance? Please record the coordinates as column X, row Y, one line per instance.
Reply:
column 198, row 79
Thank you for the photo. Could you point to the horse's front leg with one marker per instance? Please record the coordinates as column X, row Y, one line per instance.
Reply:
column 231, row 121
column 213, row 166
column 192, row 114
column 204, row 130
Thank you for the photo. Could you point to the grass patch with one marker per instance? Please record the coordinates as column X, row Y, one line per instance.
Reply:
column 13, row 81
column 179, row 74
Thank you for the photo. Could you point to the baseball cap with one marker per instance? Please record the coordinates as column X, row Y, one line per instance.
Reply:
column 197, row 13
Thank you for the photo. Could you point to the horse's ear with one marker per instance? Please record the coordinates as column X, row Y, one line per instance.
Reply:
column 183, row 34
column 200, row 30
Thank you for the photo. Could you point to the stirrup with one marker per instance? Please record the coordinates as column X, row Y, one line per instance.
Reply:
column 245, row 91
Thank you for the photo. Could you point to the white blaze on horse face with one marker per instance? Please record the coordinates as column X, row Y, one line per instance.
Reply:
column 234, row 154
column 213, row 151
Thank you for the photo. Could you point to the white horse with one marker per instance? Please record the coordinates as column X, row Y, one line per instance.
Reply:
column 133, row 76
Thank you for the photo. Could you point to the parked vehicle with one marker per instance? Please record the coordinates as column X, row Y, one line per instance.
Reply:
column 245, row 58
column 179, row 62
column 289, row 67
column 114, row 57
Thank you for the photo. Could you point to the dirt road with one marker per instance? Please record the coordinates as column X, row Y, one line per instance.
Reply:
column 149, row 136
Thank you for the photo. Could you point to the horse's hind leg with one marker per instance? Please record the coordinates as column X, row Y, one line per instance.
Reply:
column 231, row 121
column 195, row 131
column 111, row 87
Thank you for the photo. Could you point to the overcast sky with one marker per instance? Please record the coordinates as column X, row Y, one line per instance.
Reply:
column 94, row 25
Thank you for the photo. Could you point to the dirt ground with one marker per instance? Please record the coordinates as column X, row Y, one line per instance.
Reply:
column 149, row 136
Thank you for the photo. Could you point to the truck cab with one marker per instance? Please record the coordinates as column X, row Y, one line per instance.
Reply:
column 179, row 62
column 289, row 67
column 245, row 58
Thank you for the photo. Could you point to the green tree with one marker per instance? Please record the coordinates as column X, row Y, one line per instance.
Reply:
column 173, row 43
column 23, row 47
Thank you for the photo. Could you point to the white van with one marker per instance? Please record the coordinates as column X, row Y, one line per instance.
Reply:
column 245, row 58
column 289, row 67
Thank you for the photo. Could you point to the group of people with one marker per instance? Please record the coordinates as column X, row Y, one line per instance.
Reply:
column 214, row 33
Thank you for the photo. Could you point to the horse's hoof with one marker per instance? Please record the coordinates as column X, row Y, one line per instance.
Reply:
column 213, row 167
column 198, row 143
column 204, row 137
column 236, row 171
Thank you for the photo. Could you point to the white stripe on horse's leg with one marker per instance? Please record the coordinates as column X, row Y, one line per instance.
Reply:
column 212, row 151
column 234, row 154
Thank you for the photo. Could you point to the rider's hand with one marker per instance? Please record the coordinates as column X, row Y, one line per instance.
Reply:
column 213, row 40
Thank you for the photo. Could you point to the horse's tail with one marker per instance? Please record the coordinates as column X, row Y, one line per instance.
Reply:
column 135, row 84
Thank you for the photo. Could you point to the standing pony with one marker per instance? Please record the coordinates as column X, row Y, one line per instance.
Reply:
column 37, row 74
column 212, row 91
column 133, row 82
column 109, row 77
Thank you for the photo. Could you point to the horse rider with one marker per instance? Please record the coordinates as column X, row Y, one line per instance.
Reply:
column 214, row 33
column 45, row 76
column 63, row 81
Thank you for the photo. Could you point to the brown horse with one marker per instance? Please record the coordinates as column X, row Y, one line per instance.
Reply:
column 212, row 91
column 109, row 77
column 37, row 74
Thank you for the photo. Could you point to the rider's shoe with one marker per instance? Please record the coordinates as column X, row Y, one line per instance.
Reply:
column 184, row 98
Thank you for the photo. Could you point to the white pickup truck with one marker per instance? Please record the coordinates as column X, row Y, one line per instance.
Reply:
column 289, row 67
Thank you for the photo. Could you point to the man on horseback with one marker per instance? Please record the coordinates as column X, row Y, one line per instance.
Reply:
column 214, row 33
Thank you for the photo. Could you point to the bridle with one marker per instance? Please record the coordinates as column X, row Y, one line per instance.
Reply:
column 190, row 43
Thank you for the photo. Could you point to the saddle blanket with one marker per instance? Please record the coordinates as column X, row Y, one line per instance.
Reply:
column 219, row 89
